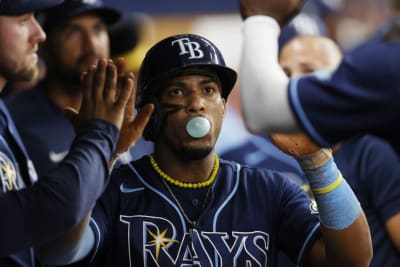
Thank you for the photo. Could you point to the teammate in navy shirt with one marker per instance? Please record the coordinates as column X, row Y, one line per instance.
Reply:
column 361, row 96
column 184, row 206
column 46, row 132
column 369, row 163
column 38, row 210
column 372, row 169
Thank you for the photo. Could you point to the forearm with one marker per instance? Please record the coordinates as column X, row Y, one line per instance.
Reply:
column 348, row 247
column 61, row 199
column 72, row 247
column 263, row 83
column 346, row 237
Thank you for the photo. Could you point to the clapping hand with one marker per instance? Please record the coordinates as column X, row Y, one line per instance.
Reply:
column 296, row 145
column 109, row 94
column 281, row 10
column 132, row 127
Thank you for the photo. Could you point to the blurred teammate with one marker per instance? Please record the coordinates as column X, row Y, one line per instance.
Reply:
column 361, row 96
column 77, row 37
column 258, row 150
column 184, row 206
column 369, row 164
column 36, row 211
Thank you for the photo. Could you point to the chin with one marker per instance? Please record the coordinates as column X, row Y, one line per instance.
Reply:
column 196, row 153
column 27, row 74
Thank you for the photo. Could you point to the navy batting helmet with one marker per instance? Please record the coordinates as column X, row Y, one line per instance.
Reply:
column 172, row 56
column 177, row 53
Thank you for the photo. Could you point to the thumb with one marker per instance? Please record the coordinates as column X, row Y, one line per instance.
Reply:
column 142, row 118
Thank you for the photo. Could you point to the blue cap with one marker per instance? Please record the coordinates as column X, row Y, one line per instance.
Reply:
column 324, row 8
column 72, row 8
column 18, row 7
column 302, row 24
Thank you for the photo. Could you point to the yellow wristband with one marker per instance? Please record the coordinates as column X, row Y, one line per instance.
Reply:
column 329, row 188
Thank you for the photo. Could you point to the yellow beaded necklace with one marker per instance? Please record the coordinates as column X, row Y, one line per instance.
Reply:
column 178, row 183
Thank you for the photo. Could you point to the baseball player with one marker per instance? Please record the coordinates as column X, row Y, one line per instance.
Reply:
column 184, row 206
column 361, row 96
column 370, row 164
column 36, row 211
column 258, row 150
column 77, row 37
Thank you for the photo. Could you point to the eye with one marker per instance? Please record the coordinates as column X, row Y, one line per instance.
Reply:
column 209, row 90
column 24, row 18
column 100, row 28
column 175, row 92
column 308, row 69
column 71, row 31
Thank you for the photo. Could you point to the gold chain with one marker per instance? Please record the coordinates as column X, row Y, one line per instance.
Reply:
column 178, row 183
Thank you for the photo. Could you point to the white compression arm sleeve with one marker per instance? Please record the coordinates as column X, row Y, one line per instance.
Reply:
column 263, row 83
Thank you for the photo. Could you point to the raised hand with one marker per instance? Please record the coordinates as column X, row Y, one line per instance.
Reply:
column 132, row 127
column 296, row 145
column 281, row 10
column 102, row 98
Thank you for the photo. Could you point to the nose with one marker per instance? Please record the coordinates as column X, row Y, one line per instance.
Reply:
column 196, row 102
column 89, row 41
column 38, row 35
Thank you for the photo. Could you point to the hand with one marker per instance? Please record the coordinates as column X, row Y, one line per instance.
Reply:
column 102, row 97
column 296, row 145
column 281, row 10
column 132, row 128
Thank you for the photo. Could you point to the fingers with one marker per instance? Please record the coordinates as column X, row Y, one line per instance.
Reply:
column 125, row 93
column 110, row 87
column 132, row 130
column 99, row 79
column 121, row 66
column 143, row 117
column 87, row 81
column 281, row 10
column 130, row 106
column 105, row 95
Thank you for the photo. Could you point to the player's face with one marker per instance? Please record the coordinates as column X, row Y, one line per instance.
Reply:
column 196, row 95
column 77, row 44
column 304, row 56
column 20, row 36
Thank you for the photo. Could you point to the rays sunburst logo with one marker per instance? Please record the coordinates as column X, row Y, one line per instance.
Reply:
column 8, row 173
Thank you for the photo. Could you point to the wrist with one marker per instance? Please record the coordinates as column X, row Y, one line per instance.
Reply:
column 264, row 22
column 337, row 204
column 315, row 160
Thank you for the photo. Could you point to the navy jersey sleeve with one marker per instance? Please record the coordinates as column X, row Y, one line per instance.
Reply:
column 62, row 198
column 104, row 217
column 361, row 96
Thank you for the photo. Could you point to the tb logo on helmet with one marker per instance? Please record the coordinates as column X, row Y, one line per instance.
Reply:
column 171, row 56
column 188, row 47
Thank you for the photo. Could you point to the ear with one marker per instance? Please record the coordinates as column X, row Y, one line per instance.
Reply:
column 223, row 107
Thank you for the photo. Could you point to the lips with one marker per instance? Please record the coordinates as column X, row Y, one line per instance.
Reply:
column 34, row 57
